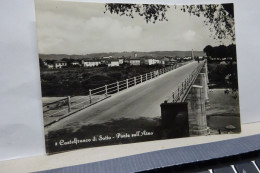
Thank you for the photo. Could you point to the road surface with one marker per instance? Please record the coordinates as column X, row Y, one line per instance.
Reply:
column 142, row 100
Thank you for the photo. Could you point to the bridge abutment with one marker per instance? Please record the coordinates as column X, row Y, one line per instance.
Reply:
column 191, row 118
column 196, row 100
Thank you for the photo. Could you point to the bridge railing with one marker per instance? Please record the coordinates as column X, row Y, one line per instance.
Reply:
column 183, row 87
column 72, row 104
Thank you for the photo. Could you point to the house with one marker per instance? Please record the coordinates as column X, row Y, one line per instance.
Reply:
column 60, row 64
column 121, row 60
column 162, row 62
column 45, row 63
column 90, row 63
column 151, row 61
column 75, row 63
column 135, row 62
column 187, row 58
column 107, row 57
column 50, row 66
column 170, row 61
column 113, row 63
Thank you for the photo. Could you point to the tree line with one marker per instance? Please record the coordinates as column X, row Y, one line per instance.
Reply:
column 221, row 51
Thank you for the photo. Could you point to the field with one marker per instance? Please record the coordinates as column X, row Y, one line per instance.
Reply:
column 77, row 81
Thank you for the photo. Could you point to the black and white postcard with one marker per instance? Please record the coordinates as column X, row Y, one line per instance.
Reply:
column 125, row 73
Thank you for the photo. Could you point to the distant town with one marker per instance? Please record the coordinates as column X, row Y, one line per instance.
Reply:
column 110, row 61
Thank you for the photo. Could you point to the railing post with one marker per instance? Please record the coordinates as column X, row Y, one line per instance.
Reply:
column 105, row 90
column 178, row 93
column 117, row 84
column 126, row 83
column 69, row 104
column 145, row 76
column 90, row 101
column 141, row 79
column 182, row 86
column 135, row 80
column 151, row 74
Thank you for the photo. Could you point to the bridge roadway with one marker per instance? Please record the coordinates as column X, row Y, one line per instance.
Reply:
column 142, row 100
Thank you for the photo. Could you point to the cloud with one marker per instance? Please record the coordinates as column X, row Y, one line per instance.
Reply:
column 189, row 35
column 82, row 28
column 80, row 35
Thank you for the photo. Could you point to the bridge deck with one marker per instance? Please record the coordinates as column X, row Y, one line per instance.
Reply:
column 140, row 101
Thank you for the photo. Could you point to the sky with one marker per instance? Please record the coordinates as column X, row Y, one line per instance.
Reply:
column 83, row 28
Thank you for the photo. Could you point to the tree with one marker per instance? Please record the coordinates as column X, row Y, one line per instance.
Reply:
column 231, row 52
column 219, row 17
column 208, row 50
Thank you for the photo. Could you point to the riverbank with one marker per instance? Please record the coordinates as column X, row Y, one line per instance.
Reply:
column 223, row 111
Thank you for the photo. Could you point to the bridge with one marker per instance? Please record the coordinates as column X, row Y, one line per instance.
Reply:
column 140, row 96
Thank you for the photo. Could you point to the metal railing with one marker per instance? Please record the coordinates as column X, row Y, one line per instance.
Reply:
column 72, row 104
column 184, row 86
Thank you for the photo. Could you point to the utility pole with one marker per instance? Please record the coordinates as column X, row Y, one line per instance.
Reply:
column 192, row 55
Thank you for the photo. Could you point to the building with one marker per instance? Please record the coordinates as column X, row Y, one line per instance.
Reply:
column 135, row 62
column 113, row 63
column 50, row 66
column 60, row 64
column 107, row 57
column 75, row 63
column 121, row 60
column 162, row 62
column 151, row 61
column 187, row 58
column 90, row 63
column 169, row 61
column 45, row 63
